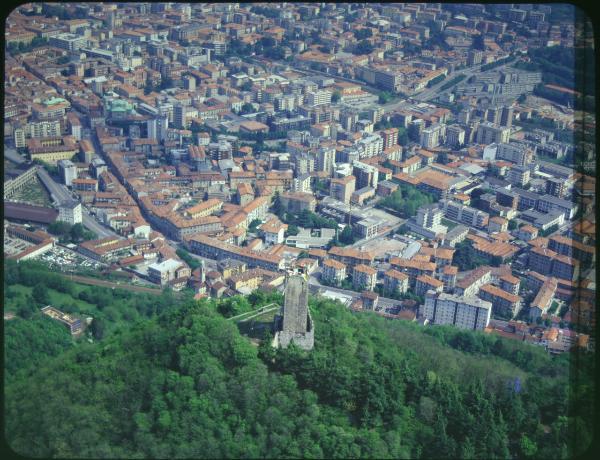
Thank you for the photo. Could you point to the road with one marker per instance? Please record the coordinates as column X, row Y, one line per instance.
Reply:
column 13, row 156
column 424, row 96
column 432, row 92
column 61, row 194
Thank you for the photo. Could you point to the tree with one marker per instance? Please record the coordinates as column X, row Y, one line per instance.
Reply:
column 79, row 233
column 335, row 97
column 97, row 328
column 465, row 256
column 247, row 86
column 478, row 43
column 527, row 446
column 59, row 228
column 253, row 227
column 277, row 206
column 347, row 236
column 247, row 108
column 292, row 230
column 361, row 34
column 41, row 294
column 363, row 47
column 385, row 97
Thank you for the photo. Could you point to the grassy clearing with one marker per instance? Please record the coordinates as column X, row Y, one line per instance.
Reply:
column 35, row 193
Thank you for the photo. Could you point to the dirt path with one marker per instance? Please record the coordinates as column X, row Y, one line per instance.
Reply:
column 112, row 284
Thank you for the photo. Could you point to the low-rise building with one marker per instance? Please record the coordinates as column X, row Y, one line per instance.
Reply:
column 167, row 271
column 74, row 324
column 273, row 231
column 543, row 300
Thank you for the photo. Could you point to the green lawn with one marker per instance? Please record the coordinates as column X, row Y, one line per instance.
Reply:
column 22, row 289
column 259, row 325
column 60, row 299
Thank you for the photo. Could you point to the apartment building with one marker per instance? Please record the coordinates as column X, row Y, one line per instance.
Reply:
column 342, row 189
column 390, row 137
column 543, row 300
column 351, row 257
column 364, row 278
column 206, row 208
column 315, row 98
column 515, row 153
column 503, row 302
column 490, row 133
column 465, row 214
column 469, row 286
column 215, row 249
column 333, row 272
column 425, row 283
column 70, row 212
column 366, row 175
column 455, row 136
column 395, row 281
column 462, row 312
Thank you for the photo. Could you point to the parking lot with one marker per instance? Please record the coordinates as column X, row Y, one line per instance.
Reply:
column 66, row 260
column 14, row 246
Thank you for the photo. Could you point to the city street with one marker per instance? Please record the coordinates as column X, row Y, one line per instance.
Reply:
column 13, row 156
column 60, row 194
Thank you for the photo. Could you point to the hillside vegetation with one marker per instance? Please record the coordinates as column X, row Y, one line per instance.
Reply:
column 186, row 383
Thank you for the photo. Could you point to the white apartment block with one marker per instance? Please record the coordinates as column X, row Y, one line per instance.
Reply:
column 514, row 153
column 70, row 212
column 465, row 214
column 314, row 98
column 432, row 136
column 370, row 146
column 462, row 312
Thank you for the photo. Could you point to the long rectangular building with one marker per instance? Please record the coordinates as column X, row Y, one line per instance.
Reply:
column 214, row 249
column 462, row 312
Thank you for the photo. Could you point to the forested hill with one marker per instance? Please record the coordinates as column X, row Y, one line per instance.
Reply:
column 187, row 384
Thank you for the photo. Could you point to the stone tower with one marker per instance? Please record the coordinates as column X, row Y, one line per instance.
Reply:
column 295, row 323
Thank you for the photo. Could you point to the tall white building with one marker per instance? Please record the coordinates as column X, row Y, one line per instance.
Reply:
column 70, row 212
column 463, row 312
column 432, row 136
column 370, row 146
column 430, row 217
column 465, row 214
column 455, row 136
column 489, row 133
column 515, row 153
column 68, row 171
column 157, row 127
column 68, row 41
column 326, row 159
column 321, row 97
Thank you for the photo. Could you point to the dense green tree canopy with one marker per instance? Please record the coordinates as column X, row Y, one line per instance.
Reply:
column 186, row 383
